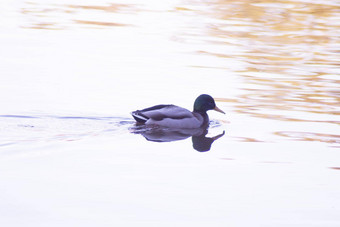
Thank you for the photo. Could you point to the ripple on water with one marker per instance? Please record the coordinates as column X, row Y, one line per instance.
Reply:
column 292, row 55
column 310, row 136
column 17, row 129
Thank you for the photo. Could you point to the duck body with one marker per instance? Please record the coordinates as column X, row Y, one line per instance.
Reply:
column 172, row 116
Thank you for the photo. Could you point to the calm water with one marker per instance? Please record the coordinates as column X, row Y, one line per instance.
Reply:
column 72, row 71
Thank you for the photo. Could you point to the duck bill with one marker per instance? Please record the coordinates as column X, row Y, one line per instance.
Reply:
column 218, row 110
column 218, row 136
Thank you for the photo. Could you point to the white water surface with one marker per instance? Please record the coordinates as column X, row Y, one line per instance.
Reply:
column 72, row 71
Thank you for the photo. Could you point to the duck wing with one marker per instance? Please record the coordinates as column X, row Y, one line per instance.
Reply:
column 160, row 112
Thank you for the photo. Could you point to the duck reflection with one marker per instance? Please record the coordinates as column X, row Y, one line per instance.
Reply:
column 200, row 142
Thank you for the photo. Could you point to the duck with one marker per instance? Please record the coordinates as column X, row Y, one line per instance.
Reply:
column 172, row 116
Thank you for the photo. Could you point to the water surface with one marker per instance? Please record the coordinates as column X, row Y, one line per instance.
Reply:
column 72, row 71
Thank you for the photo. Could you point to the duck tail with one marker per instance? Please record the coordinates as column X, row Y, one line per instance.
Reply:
column 139, row 117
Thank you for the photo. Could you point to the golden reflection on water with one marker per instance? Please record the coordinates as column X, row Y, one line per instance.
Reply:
column 59, row 16
column 309, row 136
column 293, row 53
column 107, row 8
column 100, row 23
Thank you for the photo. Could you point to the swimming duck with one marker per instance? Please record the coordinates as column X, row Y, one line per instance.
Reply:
column 177, row 117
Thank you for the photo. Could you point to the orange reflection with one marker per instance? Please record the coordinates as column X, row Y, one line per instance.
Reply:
column 291, row 51
column 108, row 8
column 56, row 16
column 292, row 55
column 309, row 136
column 98, row 23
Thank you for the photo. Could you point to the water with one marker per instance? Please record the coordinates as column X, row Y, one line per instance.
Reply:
column 72, row 71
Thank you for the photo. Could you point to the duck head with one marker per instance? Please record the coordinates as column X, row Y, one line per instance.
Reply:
column 204, row 102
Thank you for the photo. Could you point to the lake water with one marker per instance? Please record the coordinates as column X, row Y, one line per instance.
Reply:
column 72, row 71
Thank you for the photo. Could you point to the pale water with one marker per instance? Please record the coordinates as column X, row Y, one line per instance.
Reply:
column 72, row 71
